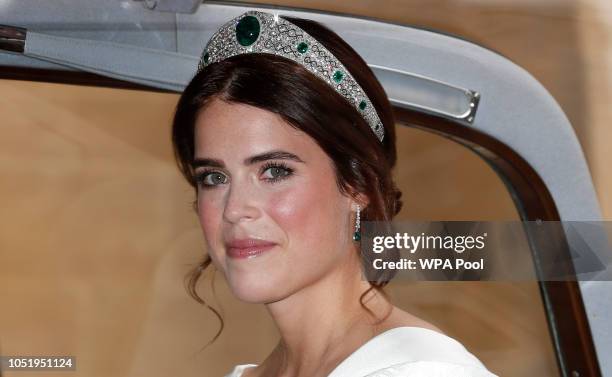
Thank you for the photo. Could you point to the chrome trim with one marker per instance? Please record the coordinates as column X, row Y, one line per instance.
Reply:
column 411, row 90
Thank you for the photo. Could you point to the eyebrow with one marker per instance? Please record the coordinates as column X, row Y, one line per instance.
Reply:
column 271, row 155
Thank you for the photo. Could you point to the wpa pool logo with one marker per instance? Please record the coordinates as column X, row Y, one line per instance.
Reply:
column 447, row 264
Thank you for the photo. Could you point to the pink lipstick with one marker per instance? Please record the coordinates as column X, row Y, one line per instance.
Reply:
column 247, row 248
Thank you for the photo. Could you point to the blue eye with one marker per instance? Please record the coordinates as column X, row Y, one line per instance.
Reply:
column 272, row 172
column 278, row 171
column 210, row 178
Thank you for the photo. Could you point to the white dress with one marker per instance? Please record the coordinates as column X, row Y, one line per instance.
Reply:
column 405, row 352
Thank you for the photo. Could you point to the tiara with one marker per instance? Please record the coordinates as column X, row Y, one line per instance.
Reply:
column 259, row 32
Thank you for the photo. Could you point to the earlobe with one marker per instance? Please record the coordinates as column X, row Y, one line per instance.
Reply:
column 360, row 200
column 357, row 198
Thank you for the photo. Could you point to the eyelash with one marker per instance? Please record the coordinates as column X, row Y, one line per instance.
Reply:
column 201, row 176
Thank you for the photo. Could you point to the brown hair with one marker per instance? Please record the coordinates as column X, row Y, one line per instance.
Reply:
column 362, row 163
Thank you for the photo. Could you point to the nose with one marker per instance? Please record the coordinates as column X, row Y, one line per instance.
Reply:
column 241, row 203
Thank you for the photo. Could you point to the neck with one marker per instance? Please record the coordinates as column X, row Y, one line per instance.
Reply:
column 321, row 324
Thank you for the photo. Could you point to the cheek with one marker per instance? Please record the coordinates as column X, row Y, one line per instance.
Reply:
column 308, row 215
column 210, row 215
column 207, row 211
column 288, row 209
column 294, row 210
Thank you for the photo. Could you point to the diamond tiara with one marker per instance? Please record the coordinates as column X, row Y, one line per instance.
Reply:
column 259, row 32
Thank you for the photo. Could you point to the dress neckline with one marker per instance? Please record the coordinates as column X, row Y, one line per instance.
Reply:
column 375, row 346
column 341, row 369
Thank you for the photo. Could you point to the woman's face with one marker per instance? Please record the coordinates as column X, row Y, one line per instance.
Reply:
column 259, row 179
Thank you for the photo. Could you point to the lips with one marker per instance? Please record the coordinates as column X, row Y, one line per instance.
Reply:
column 248, row 247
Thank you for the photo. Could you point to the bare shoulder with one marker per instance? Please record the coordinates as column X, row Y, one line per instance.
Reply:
column 400, row 318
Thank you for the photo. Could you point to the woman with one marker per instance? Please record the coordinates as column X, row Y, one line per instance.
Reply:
column 288, row 140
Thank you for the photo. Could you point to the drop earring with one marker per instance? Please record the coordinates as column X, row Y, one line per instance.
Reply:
column 357, row 234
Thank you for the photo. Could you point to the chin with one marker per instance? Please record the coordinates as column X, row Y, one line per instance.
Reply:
column 258, row 291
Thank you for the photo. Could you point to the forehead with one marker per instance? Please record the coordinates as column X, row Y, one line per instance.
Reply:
column 236, row 130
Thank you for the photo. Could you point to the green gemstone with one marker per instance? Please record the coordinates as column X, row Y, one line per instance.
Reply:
column 206, row 58
column 302, row 47
column 356, row 236
column 247, row 30
column 338, row 76
column 362, row 105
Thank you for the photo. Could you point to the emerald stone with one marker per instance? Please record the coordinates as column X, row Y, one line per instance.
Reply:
column 206, row 58
column 362, row 105
column 302, row 47
column 338, row 76
column 247, row 30
column 356, row 236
